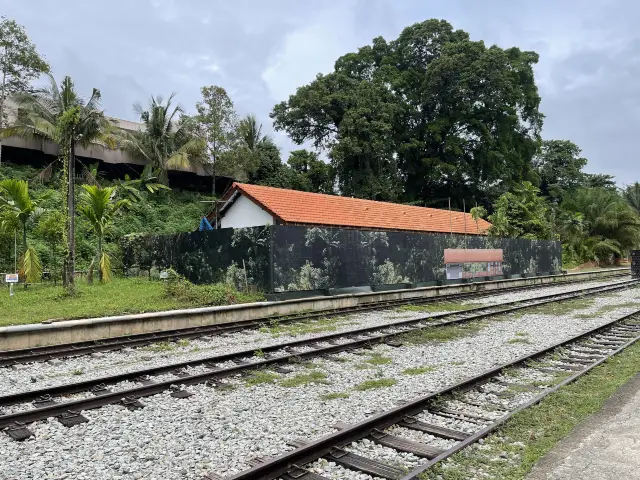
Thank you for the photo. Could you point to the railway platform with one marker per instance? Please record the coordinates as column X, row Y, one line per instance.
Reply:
column 604, row 447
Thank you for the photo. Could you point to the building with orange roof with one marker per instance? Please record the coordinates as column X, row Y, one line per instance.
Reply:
column 253, row 205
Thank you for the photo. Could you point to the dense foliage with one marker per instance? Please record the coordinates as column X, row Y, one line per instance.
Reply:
column 429, row 118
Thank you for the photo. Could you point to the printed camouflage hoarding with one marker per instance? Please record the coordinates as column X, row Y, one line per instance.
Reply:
column 289, row 258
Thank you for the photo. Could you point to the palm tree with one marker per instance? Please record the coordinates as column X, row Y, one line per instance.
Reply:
column 611, row 226
column 59, row 114
column 17, row 209
column 250, row 132
column 167, row 140
column 631, row 193
column 99, row 206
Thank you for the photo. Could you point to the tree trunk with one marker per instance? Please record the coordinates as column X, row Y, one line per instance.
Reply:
column 3, row 96
column 100, row 276
column 71, row 212
column 24, row 249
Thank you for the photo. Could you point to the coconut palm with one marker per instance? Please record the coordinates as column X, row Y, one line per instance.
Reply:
column 631, row 193
column 98, row 206
column 59, row 113
column 611, row 226
column 250, row 132
column 17, row 210
column 168, row 139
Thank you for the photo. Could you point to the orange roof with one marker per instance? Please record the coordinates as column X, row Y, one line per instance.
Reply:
column 292, row 206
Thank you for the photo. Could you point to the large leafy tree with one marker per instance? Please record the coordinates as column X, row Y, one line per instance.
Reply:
column 99, row 206
column 425, row 117
column 168, row 139
column 17, row 211
column 19, row 62
column 60, row 114
column 521, row 213
column 610, row 227
column 559, row 168
column 317, row 174
column 217, row 121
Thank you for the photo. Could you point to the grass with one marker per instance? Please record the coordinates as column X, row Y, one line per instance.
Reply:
column 315, row 376
column 379, row 359
column 121, row 296
column 373, row 384
column 608, row 308
column 442, row 334
column 160, row 347
column 259, row 377
column 559, row 308
column 529, row 435
column 302, row 328
column 334, row 396
column 518, row 340
column 437, row 307
column 419, row 370
column 457, row 364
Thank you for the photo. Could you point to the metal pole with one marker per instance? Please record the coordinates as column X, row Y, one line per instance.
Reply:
column 15, row 250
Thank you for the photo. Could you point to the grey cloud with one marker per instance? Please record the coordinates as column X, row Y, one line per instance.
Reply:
column 261, row 51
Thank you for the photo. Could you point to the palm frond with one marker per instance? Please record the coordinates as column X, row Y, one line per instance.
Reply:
column 31, row 265
column 105, row 267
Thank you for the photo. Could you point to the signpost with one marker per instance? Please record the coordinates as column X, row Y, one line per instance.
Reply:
column 11, row 278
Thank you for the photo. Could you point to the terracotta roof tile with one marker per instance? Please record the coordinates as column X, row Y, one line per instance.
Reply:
column 292, row 206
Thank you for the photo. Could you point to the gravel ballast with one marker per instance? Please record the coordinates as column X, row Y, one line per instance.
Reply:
column 219, row 429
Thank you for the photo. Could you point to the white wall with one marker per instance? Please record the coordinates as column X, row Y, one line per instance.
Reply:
column 244, row 213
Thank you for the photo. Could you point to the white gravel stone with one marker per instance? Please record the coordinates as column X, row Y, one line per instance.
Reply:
column 218, row 429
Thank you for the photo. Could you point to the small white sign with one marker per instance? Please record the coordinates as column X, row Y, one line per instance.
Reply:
column 164, row 275
column 11, row 278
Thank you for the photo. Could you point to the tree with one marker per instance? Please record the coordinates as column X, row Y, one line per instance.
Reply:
column 217, row 122
column 271, row 172
column 599, row 180
column 98, row 206
column 59, row 114
column 50, row 228
column 477, row 213
column 17, row 211
column 521, row 213
column 559, row 167
column 425, row 117
column 631, row 194
column 317, row 173
column 168, row 140
column 19, row 62
column 611, row 227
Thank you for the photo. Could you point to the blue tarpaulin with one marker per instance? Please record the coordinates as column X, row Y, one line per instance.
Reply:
column 205, row 225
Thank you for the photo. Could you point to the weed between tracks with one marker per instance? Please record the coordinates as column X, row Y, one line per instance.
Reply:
column 419, row 370
column 511, row 452
column 378, row 383
column 437, row 307
column 276, row 329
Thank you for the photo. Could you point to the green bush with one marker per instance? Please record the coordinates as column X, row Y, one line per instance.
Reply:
column 215, row 294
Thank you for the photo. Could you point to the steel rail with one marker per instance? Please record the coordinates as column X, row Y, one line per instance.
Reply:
column 34, row 354
column 106, row 397
column 321, row 447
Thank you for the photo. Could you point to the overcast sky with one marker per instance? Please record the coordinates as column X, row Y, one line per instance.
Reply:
column 588, row 75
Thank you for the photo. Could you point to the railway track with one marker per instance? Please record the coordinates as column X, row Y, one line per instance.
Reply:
column 35, row 354
column 478, row 401
column 50, row 402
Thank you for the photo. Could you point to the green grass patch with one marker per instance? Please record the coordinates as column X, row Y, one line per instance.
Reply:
column 379, row 359
column 442, row 334
column 378, row 383
column 457, row 364
column 259, row 377
column 437, row 307
column 121, row 296
column 563, row 307
column 522, row 334
column 608, row 308
column 334, row 396
column 419, row 370
column 518, row 340
column 321, row 325
column 541, row 427
column 315, row 376
column 160, row 347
